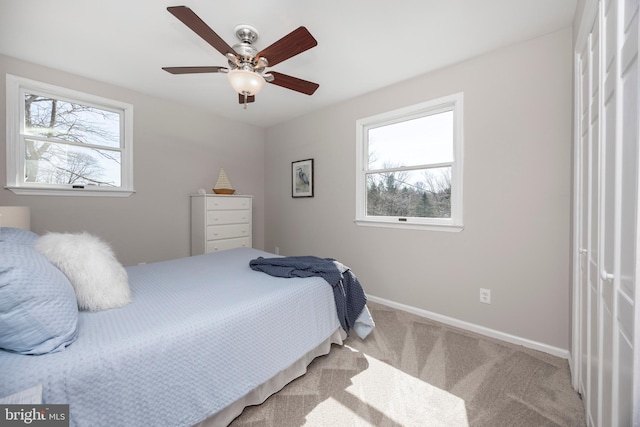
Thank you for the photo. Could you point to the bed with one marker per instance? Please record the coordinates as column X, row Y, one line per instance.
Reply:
column 202, row 338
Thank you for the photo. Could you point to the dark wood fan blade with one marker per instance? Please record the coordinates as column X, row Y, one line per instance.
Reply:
column 192, row 70
column 290, row 45
column 191, row 20
column 294, row 83
column 251, row 98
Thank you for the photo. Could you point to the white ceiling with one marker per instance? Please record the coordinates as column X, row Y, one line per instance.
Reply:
column 363, row 45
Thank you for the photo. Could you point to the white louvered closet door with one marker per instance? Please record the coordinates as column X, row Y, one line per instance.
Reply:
column 626, row 296
column 606, row 214
column 589, row 145
column 584, row 190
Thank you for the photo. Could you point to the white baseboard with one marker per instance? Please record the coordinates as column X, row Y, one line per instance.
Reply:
column 555, row 351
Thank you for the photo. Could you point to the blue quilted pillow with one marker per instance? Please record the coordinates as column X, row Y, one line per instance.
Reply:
column 38, row 308
column 17, row 235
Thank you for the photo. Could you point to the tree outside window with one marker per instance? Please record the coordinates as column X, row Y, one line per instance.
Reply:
column 410, row 166
column 68, row 152
column 61, row 141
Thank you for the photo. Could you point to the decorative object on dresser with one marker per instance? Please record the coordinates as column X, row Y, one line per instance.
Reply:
column 219, row 223
column 223, row 185
column 302, row 178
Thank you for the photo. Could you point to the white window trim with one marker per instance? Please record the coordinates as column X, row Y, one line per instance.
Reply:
column 453, row 102
column 15, row 140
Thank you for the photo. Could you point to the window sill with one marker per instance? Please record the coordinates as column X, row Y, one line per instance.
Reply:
column 25, row 191
column 409, row 225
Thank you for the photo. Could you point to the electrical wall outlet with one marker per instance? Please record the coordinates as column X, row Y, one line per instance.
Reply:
column 485, row 296
column 276, row 250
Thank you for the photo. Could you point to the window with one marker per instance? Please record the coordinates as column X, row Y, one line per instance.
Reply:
column 409, row 167
column 64, row 142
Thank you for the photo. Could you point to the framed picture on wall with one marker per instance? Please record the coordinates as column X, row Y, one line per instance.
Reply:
column 302, row 178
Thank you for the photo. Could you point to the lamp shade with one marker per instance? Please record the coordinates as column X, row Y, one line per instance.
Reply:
column 244, row 81
column 15, row 216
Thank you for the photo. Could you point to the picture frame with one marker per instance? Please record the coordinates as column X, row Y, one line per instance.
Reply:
column 302, row 178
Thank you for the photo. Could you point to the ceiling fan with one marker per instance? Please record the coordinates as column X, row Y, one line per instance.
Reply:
column 246, row 70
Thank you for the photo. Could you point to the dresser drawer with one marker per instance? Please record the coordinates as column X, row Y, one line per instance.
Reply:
column 228, row 203
column 215, row 232
column 228, row 217
column 226, row 244
column 219, row 223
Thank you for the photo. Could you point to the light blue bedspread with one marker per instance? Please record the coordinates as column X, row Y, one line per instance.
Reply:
column 200, row 333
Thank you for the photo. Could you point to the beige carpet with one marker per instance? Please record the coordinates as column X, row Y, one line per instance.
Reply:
column 412, row 371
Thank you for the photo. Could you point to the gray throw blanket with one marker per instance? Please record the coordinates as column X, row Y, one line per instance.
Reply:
column 348, row 293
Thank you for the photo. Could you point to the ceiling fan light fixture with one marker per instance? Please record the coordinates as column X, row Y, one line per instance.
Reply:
column 247, row 66
column 245, row 82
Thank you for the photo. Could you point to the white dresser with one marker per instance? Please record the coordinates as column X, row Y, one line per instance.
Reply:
column 219, row 223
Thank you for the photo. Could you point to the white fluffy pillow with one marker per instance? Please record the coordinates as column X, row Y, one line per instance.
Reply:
column 99, row 280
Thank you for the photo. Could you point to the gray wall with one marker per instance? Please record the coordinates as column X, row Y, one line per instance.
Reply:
column 517, row 154
column 516, row 188
column 580, row 5
column 176, row 151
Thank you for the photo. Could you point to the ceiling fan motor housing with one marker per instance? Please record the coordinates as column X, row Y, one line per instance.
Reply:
column 246, row 51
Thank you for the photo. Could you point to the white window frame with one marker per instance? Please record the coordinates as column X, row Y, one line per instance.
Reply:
column 454, row 223
column 16, row 87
